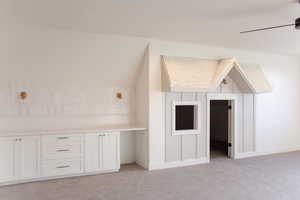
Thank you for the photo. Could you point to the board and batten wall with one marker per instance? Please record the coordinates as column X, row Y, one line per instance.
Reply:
column 185, row 147
column 194, row 147
column 276, row 114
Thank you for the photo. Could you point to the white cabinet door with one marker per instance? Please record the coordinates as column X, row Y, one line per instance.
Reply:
column 102, row 152
column 29, row 166
column 8, row 159
column 92, row 152
column 110, row 151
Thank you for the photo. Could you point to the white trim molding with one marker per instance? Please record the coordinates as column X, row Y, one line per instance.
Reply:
column 267, row 152
column 46, row 178
column 234, row 99
column 197, row 118
column 181, row 163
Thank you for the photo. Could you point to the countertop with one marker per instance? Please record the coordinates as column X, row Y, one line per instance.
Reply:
column 109, row 128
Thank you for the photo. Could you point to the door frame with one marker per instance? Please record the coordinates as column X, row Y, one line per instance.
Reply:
column 233, row 98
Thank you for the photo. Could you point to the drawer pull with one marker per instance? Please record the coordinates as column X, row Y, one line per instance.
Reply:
column 62, row 138
column 61, row 167
column 62, row 150
column 102, row 135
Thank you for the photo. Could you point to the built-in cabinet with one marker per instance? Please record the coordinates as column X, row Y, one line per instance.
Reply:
column 62, row 154
column 8, row 148
column 29, row 157
column 19, row 158
column 41, row 157
column 102, row 152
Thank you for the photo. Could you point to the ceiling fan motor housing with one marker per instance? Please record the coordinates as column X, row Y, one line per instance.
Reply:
column 297, row 24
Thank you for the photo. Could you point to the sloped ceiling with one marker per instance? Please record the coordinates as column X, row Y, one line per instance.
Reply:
column 211, row 22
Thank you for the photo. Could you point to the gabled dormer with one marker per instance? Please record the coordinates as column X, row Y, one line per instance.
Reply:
column 204, row 75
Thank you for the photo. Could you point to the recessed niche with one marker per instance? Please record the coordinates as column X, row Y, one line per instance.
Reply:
column 186, row 118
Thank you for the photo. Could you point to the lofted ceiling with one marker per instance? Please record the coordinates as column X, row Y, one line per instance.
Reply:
column 211, row 22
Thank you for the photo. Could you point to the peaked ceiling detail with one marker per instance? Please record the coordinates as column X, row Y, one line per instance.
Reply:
column 203, row 75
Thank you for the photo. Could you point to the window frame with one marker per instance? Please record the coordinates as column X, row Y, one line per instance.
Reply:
column 197, row 118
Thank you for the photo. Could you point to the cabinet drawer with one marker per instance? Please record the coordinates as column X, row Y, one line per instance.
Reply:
column 61, row 151
column 61, row 167
column 61, row 139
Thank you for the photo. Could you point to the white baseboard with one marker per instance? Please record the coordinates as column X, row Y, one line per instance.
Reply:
column 184, row 163
column 166, row 165
column 58, row 177
column 265, row 153
column 245, row 155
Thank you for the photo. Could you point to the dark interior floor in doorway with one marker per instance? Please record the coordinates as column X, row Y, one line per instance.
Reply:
column 218, row 149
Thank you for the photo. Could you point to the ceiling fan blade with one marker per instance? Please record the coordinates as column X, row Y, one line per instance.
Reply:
column 268, row 28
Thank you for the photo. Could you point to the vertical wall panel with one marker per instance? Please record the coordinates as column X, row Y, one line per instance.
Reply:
column 202, row 138
column 240, row 124
column 184, row 147
column 254, row 123
column 189, row 148
column 248, row 123
column 173, row 143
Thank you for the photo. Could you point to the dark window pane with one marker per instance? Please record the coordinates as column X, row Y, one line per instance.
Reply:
column 185, row 117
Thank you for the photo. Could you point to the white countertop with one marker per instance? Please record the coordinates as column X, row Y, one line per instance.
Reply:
column 109, row 128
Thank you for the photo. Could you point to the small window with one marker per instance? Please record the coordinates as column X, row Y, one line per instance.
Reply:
column 185, row 118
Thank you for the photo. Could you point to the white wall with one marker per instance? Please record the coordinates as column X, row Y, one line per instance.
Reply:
column 72, row 79
column 142, row 110
column 277, row 115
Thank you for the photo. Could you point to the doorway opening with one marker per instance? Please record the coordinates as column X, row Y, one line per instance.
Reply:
column 221, row 129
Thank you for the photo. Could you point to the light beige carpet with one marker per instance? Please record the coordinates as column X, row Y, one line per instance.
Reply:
column 275, row 177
